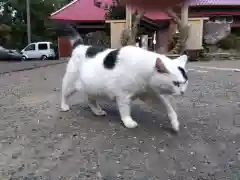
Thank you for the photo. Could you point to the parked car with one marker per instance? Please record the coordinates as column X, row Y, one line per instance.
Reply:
column 8, row 54
column 39, row 50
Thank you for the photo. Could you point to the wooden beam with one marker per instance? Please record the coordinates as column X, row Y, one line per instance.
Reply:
column 150, row 22
column 148, row 25
column 91, row 26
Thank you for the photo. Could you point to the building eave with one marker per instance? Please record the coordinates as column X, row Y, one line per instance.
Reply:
column 64, row 7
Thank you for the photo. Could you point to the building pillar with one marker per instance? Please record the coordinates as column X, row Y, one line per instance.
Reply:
column 144, row 41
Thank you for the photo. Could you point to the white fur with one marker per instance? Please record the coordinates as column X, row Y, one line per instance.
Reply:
column 134, row 76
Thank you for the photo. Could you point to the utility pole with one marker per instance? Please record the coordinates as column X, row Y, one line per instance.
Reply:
column 28, row 21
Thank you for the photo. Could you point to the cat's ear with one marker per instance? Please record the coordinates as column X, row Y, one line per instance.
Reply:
column 181, row 60
column 160, row 67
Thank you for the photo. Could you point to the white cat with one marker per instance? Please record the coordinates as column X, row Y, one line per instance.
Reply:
column 123, row 75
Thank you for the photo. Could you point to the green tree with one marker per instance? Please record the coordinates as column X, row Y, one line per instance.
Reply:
column 14, row 15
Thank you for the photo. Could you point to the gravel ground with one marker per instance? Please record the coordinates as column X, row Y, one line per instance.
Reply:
column 39, row 142
column 219, row 64
column 15, row 66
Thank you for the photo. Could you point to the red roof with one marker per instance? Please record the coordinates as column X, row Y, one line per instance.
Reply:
column 222, row 13
column 156, row 15
column 79, row 10
column 214, row 2
column 85, row 10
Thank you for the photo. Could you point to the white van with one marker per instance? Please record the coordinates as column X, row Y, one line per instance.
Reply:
column 38, row 50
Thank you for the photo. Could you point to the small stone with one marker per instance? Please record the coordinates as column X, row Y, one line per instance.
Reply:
column 83, row 137
column 160, row 150
column 21, row 168
column 161, row 142
column 119, row 175
column 56, row 89
column 99, row 176
column 192, row 169
column 16, row 155
column 74, row 135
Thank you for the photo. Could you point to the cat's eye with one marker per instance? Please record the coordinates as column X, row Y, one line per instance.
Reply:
column 176, row 83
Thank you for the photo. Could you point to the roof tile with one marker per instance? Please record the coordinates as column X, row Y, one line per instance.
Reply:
column 213, row 2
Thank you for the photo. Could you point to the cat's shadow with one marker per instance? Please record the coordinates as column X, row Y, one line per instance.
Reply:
column 147, row 118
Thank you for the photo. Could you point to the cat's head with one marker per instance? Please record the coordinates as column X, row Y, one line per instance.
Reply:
column 170, row 76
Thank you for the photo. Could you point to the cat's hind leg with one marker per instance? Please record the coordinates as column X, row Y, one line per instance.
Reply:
column 68, row 88
column 124, row 105
column 95, row 107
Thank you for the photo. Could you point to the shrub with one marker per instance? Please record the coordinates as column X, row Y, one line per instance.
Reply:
column 230, row 42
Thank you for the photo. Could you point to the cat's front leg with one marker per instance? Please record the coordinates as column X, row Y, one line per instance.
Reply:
column 124, row 106
column 96, row 108
column 171, row 112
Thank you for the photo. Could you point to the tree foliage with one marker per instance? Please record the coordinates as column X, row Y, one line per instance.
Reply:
column 117, row 12
column 13, row 14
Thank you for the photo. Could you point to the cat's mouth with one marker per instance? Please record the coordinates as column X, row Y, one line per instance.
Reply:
column 178, row 83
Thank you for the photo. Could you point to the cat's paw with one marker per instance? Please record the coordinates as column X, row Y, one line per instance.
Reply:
column 175, row 125
column 129, row 123
column 65, row 107
column 174, row 122
column 99, row 113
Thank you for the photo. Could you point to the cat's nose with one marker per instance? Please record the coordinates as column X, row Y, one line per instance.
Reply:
column 182, row 93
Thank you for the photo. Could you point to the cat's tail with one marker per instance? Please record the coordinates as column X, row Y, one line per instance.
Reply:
column 69, row 31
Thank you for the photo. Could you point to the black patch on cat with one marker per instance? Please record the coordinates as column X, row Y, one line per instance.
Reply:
column 176, row 83
column 184, row 74
column 110, row 60
column 77, row 43
column 92, row 51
